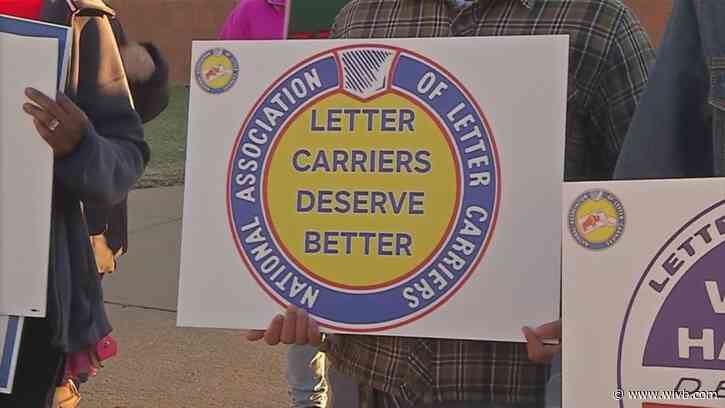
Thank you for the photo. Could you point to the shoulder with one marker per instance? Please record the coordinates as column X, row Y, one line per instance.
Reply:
column 588, row 15
column 624, row 30
column 60, row 11
column 357, row 6
column 98, row 5
column 361, row 12
column 591, row 17
column 601, row 28
column 603, row 5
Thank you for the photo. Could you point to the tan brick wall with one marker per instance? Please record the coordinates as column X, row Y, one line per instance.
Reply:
column 173, row 24
column 653, row 14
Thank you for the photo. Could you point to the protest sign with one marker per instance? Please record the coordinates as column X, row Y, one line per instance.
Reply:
column 644, row 294
column 10, row 331
column 32, row 54
column 392, row 187
column 26, row 162
column 32, row 28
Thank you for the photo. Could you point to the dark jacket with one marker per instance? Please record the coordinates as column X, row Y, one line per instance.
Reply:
column 100, row 172
column 679, row 128
column 150, row 98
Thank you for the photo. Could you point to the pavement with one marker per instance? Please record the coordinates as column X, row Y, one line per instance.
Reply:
column 160, row 365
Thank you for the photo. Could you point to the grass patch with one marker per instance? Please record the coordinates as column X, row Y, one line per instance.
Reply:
column 167, row 137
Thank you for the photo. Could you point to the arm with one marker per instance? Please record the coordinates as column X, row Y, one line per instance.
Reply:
column 621, row 83
column 667, row 138
column 112, row 154
column 150, row 91
column 147, row 72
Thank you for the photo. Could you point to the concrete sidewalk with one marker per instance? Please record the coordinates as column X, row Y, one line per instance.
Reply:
column 163, row 366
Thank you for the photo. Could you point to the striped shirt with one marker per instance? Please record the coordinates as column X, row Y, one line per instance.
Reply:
column 610, row 55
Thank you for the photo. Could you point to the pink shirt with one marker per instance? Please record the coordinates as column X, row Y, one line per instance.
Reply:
column 255, row 20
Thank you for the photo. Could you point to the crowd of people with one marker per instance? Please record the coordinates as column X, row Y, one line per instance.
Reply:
column 631, row 114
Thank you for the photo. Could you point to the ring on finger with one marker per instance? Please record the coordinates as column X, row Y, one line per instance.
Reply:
column 53, row 125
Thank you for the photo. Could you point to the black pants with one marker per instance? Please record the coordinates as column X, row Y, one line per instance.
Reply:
column 38, row 370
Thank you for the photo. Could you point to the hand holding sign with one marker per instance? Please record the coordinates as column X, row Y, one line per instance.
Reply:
column 295, row 327
column 539, row 350
column 61, row 123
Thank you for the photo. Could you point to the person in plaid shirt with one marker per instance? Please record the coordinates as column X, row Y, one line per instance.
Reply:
column 610, row 55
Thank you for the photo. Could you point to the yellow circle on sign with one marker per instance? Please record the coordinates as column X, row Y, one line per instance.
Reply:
column 362, row 194
column 597, row 220
column 217, row 71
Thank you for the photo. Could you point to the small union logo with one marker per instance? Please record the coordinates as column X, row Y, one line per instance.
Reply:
column 217, row 70
column 596, row 219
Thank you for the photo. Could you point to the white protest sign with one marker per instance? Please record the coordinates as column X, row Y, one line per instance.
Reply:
column 643, row 294
column 11, row 329
column 403, row 187
column 26, row 175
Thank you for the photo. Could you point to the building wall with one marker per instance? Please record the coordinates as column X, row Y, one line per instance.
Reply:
column 653, row 14
column 173, row 24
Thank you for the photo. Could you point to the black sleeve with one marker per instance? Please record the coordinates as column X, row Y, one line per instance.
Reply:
column 112, row 154
column 152, row 97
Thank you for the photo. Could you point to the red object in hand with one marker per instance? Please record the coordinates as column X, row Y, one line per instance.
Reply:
column 106, row 348
column 29, row 9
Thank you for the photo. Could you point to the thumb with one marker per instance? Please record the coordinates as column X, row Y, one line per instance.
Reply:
column 531, row 337
column 550, row 330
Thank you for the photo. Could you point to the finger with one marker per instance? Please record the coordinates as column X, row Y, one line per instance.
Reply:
column 271, row 336
column 45, row 103
column 255, row 335
column 70, row 107
column 301, row 330
column 550, row 330
column 537, row 351
column 38, row 114
column 44, row 132
column 314, row 337
column 290, row 326
column 534, row 347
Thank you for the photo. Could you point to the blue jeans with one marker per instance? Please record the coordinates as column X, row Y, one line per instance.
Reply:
column 553, row 386
column 312, row 384
column 306, row 377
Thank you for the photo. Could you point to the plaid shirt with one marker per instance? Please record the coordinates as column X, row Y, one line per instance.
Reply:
column 610, row 55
